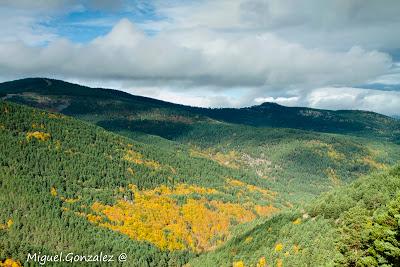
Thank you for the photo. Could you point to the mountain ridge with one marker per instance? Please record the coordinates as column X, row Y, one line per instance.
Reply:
column 4, row 86
column 74, row 99
column 283, row 150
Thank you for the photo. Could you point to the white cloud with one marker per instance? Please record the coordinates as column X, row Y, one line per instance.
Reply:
column 386, row 102
column 63, row 5
column 204, row 50
column 24, row 26
column 390, row 78
column 200, row 14
column 334, row 98
column 38, row 4
column 200, row 97
column 198, row 58
column 339, row 98
column 335, row 24
column 278, row 13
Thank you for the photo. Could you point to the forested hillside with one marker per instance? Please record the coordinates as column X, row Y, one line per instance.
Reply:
column 357, row 225
column 298, row 163
column 77, row 180
column 103, row 170
column 75, row 99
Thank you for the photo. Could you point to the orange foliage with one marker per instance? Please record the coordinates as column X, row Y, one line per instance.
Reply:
column 137, row 158
column 229, row 159
column 251, row 188
column 152, row 164
column 328, row 148
column 373, row 163
column 7, row 225
column 34, row 125
column 278, row 247
column 131, row 171
column 134, row 157
column 237, row 183
column 297, row 221
column 238, row 264
column 178, row 190
column 38, row 135
column 296, row 249
column 145, row 220
column 265, row 210
column 262, row 262
column 248, row 240
column 70, row 200
column 205, row 224
column 154, row 216
column 233, row 210
column 10, row 263
column 53, row 191
column 54, row 116
column 93, row 218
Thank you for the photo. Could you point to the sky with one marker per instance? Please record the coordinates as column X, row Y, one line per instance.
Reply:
column 339, row 54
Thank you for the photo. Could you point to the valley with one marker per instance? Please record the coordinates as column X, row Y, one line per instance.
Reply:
column 174, row 185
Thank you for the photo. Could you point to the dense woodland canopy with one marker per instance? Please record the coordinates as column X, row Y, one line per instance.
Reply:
column 171, row 185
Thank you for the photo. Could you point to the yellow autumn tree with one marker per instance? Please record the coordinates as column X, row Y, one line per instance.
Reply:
column 296, row 249
column 238, row 264
column 155, row 215
column 10, row 263
column 53, row 191
column 297, row 221
column 265, row 210
column 248, row 240
column 278, row 247
column 38, row 135
column 262, row 262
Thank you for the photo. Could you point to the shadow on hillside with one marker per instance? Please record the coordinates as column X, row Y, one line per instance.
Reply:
column 166, row 129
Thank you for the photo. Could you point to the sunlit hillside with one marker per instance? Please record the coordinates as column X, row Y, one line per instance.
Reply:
column 284, row 156
column 172, row 185
column 160, row 204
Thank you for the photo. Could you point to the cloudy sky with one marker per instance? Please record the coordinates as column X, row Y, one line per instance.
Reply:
column 339, row 54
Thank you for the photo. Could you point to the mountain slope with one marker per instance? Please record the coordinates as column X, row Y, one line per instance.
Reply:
column 358, row 123
column 356, row 225
column 93, row 191
column 80, row 100
column 177, row 181
column 300, row 164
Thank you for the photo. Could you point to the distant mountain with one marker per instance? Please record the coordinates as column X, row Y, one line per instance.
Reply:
column 396, row 117
column 268, row 140
column 359, row 123
column 73, row 99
